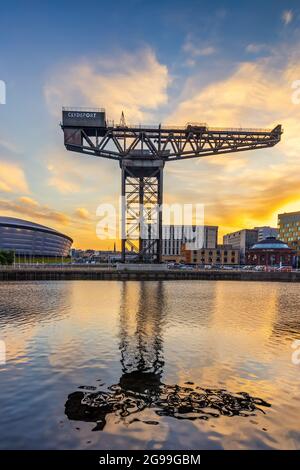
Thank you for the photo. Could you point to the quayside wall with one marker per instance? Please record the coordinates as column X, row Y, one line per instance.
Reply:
column 72, row 273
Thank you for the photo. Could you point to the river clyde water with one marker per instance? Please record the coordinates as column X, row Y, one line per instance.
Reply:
column 149, row 365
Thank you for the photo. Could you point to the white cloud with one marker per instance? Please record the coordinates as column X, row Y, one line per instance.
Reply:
column 63, row 185
column 193, row 49
column 239, row 101
column 8, row 146
column 256, row 48
column 191, row 62
column 82, row 175
column 64, row 177
column 136, row 83
column 287, row 16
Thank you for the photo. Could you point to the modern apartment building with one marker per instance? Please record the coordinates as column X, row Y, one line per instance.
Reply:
column 175, row 236
column 241, row 240
column 289, row 229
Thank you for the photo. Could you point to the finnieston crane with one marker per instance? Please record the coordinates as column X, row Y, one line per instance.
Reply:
column 142, row 152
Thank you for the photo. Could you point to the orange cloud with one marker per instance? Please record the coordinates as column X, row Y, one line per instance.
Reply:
column 80, row 226
column 246, row 189
column 27, row 207
column 12, row 178
column 238, row 190
column 28, row 201
column 82, row 213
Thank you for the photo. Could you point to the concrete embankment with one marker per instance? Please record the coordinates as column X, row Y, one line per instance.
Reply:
column 83, row 273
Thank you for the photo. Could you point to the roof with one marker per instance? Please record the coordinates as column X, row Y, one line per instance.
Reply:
column 20, row 223
column 289, row 213
column 270, row 243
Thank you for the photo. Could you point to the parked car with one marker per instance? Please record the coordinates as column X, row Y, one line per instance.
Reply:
column 260, row 268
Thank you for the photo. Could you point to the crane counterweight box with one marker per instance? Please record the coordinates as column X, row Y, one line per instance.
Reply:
column 83, row 117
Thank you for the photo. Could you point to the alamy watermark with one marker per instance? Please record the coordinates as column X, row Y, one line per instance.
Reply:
column 2, row 352
column 2, row 92
column 142, row 221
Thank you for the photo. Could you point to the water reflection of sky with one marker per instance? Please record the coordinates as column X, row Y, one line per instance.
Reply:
column 221, row 335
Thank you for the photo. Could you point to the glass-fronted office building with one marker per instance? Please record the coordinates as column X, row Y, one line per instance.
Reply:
column 30, row 239
column 289, row 229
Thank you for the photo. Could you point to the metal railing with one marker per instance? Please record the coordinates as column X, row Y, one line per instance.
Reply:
column 113, row 267
column 186, row 127
column 55, row 267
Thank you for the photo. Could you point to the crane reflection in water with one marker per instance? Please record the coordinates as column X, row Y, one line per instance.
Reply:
column 140, row 385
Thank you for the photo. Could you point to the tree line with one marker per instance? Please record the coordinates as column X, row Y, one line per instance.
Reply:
column 6, row 257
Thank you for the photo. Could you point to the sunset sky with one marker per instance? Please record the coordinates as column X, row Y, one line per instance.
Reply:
column 225, row 63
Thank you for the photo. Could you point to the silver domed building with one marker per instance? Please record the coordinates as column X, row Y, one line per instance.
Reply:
column 26, row 238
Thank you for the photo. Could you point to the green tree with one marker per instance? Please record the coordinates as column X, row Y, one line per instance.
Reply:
column 6, row 257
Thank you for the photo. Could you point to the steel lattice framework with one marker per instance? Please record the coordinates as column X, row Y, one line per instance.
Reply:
column 167, row 144
column 142, row 152
column 142, row 199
